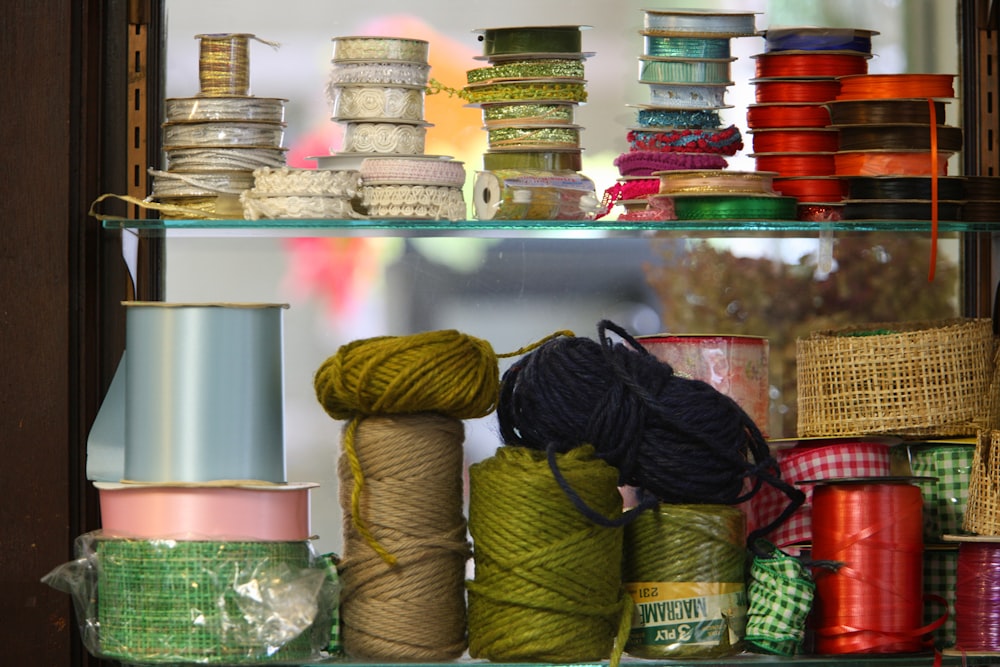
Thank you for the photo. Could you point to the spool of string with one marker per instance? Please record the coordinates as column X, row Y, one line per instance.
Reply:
column 677, row 439
column 401, row 486
column 780, row 593
column 872, row 603
column 547, row 581
column 691, row 560
column 977, row 597
column 224, row 65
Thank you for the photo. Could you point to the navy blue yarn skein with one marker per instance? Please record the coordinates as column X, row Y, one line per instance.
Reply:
column 677, row 439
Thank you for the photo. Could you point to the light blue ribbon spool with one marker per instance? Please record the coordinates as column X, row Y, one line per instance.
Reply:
column 204, row 390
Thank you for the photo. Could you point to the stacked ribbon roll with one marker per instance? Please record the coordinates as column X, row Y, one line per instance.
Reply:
column 215, row 140
column 686, row 66
column 528, row 93
column 376, row 91
column 796, row 76
column 204, row 553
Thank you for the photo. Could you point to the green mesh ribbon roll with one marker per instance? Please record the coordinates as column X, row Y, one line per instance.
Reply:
column 720, row 207
column 685, row 568
column 554, row 90
column 162, row 601
column 780, row 594
column 528, row 69
column 525, row 113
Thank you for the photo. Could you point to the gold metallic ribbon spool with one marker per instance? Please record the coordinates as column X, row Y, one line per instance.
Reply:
column 224, row 64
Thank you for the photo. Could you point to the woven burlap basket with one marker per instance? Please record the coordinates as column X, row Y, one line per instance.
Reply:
column 982, row 509
column 910, row 379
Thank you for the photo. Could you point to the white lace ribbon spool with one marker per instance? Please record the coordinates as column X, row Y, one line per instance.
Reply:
column 360, row 102
column 388, row 138
column 413, row 201
column 257, row 207
column 223, row 133
column 379, row 73
column 199, row 184
column 380, row 49
column 268, row 109
column 285, row 181
column 413, row 171
column 684, row 96
column 224, row 158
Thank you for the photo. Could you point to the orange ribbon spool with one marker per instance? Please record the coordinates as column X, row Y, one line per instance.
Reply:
column 812, row 190
column 795, row 140
column 872, row 603
column 777, row 65
column 767, row 91
column 889, row 163
column 787, row 115
column 896, row 86
column 796, row 164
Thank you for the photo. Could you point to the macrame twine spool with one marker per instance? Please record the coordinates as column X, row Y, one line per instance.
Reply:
column 685, row 567
column 679, row 439
column 412, row 499
column 401, row 486
column 547, row 580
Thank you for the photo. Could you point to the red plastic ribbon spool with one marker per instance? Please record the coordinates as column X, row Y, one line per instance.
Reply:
column 872, row 603
column 769, row 91
column 795, row 140
column 796, row 164
column 777, row 65
column 787, row 115
column 812, row 190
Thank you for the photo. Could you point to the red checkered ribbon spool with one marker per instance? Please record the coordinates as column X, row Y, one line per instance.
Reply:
column 820, row 459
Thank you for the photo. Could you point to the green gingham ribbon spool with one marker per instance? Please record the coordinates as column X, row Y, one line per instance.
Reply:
column 780, row 596
column 330, row 562
column 169, row 601
column 940, row 578
column 945, row 497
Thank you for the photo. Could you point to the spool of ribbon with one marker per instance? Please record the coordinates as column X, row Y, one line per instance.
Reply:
column 264, row 109
column 724, row 141
column 795, row 140
column 685, row 96
column 895, row 209
column 977, row 589
column 662, row 46
column 527, row 69
column 684, row 70
column 733, row 207
column 903, row 187
column 530, row 40
column 545, row 90
column 796, row 164
column 380, row 49
column 533, row 137
column 896, row 86
column 884, row 112
column 787, row 115
column 898, row 137
column 780, row 592
column 770, row 91
column 818, row 39
column 812, row 189
column 685, row 567
column 533, row 195
column 872, row 602
column 947, row 466
column 224, row 64
column 889, row 163
column 696, row 23
column 646, row 163
column 695, row 119
column 506, row 113
column 712, row 181
column 793, row 65
column 550, row 160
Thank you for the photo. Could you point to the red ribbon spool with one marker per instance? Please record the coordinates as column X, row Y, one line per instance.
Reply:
column 896, row 86
column 769, row 91
column 873, row 603
column 812, row 190
column 789, row 65
column 796, row 164
column 795, row 140
column 787, row 115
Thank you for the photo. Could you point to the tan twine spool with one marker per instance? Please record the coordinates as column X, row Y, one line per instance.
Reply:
column 412, row 503
column 914, row 378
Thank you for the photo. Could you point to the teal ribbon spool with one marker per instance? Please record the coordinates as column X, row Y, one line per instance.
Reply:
column 685, row 47
column 204, row 392
column 725, row 207
column 671, row 70
column 551, row 39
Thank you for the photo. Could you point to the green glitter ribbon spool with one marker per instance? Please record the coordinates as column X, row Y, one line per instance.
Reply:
column 548, row 160
column 530, row 40
column 165, row 601
column 526, row 90
column 685, row 567
column 527, row 113
column 676, row 70
column 723, row 207
column 686, row 47
column 519, row 138
column 527, row 69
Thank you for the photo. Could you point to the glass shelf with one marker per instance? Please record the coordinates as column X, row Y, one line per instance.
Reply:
column 526, row 228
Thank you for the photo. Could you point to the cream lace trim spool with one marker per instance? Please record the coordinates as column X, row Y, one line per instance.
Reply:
column 257, row 207
column 378, row 103
column 285, row 181
column 683, row 96
column 380, row 73
column 380, row 49
column 222, row 133
column 385, row 171
column 199, row 184
column 394, row 138
column 267, row 109
column 224, row 159
column 413, row 201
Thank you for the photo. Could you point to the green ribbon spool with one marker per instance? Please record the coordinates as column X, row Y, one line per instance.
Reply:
column 569, row 160
column 525, row 113
column 554, row 39
column 514, row 138
column 724, row 207
column 528, row 69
